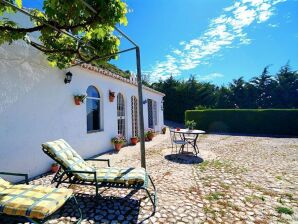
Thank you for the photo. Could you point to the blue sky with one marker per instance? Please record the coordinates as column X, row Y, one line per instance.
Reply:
column 215, row 40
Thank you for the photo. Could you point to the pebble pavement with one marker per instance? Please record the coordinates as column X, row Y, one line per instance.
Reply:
column 235, row 179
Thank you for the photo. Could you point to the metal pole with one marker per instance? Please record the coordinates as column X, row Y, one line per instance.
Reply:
column 141, row 114
column 140, row 93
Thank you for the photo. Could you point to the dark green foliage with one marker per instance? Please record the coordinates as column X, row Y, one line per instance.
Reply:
column 284, row 210
column 261, row 92
column 250, row 121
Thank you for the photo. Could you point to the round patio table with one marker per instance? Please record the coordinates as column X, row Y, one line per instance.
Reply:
column 191, row 137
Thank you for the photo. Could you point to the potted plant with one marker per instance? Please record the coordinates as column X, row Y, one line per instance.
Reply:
column 190, row 124
column 111, row 96
column 164, row 129
column 55, row 167
column 118, row 141
column 79, row 99
column 149, row 134
column 134, row 140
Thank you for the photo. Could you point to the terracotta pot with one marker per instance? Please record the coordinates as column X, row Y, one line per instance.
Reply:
column 111, row 98
column 77, row 101
column 117, row 146
column 150, row 136
column 134, row 141
column 55, row 168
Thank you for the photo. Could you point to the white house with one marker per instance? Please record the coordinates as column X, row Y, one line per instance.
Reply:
column 37, row 106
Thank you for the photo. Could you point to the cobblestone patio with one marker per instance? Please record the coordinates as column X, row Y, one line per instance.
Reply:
column 236, row 179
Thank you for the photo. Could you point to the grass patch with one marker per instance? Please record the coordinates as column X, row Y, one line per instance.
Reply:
column 220, row 165
column 278, row 177
column 284, row 210
column 225, row 186
column 254, row 198
column 214, row 196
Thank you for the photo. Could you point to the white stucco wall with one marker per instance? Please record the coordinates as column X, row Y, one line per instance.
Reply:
column 36, row 106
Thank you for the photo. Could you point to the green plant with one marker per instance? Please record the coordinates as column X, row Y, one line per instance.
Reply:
column 214, row 196
column 251, row 121
column 119, row 139
column 94, row 29
column 81, row 98
column 191, row 124
column 284, row 210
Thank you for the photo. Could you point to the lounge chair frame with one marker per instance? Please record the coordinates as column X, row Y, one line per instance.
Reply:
column 66, row 176
column 26, row 181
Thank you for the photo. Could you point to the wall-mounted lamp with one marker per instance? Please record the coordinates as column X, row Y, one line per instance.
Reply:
column 145, row 101
column 68, row 77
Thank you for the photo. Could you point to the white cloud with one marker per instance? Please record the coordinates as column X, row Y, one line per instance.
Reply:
column 226, row 31
column 210, row 77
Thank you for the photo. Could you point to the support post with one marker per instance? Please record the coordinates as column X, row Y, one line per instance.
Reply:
column 141, row 115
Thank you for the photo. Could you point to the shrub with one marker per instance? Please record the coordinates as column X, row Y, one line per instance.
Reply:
column 250, row 121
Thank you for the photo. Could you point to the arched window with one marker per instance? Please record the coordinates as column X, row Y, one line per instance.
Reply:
column 93, row 109
column 134, row 116
column 121, row 114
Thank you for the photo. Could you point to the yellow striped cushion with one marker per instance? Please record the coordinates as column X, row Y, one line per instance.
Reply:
column 65, row 154
column 33, row 201
column 4, row 184
column 119, row 175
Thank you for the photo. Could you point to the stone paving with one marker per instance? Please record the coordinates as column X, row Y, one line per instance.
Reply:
column 235, row 179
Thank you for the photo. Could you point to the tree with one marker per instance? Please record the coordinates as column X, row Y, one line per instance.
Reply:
column 264, row 91
column 287, row 89
column 95, row 31
column 265, row 85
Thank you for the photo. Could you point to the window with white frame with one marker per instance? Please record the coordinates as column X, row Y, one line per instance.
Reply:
column 93, row 109
column 121, row 114
column 134, row 116
column 155, row 112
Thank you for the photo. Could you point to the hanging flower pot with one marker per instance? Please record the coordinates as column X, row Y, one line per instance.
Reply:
column 78, row 99
column 111, row 96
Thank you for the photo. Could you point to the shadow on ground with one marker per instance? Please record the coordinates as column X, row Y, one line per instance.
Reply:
column 99, row 210
column 187, row 158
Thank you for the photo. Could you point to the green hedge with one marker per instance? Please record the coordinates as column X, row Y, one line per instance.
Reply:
column 250, row 121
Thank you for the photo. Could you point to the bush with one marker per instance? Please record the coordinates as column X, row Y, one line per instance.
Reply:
column 250, row 121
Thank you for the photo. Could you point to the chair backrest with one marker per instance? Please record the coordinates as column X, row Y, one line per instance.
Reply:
column 66, row 156
column 4, row 184
column 174, row 136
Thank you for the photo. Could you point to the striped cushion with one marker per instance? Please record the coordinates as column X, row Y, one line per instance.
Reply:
column 64, row 153
column 4, row 184
column 119, row 175
column 33, row 201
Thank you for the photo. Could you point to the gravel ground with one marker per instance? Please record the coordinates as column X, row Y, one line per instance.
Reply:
column 235, row 179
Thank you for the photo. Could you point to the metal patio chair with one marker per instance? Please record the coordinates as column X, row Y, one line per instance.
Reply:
column 74, row 170
column 36, row 203
column 177, row 140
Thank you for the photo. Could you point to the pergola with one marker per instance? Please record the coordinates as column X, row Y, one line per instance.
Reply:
column 135, row 48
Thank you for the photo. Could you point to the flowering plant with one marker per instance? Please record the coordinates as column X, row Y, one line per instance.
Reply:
column 149, row 132
column 81, row 98
column 119, row 139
